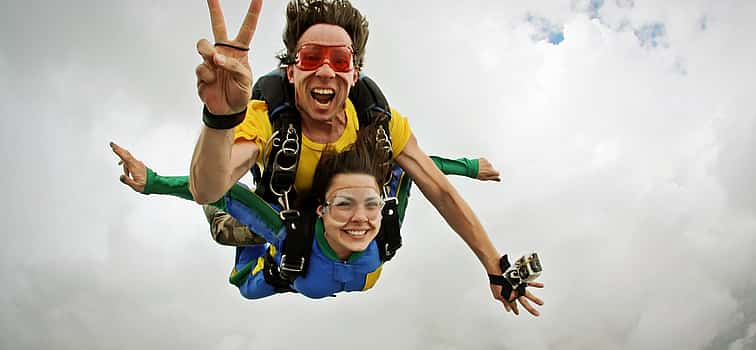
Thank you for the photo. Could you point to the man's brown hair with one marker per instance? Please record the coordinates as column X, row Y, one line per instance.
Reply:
column 303, row 14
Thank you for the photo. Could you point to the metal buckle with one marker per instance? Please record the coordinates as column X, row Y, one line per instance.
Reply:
column 291, row 267
column 288, row 214
column 289, row 148
column 284, row 153
column 381, row 136
column 389, row 252
column 383, row 141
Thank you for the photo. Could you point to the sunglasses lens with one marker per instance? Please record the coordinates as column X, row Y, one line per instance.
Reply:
column 340, row 58
column 311, row 57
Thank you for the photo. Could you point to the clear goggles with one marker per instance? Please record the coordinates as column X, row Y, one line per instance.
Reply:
column 345, row 204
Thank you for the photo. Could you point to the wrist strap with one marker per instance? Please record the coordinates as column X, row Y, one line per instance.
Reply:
column 222, row 122
column 508, row 282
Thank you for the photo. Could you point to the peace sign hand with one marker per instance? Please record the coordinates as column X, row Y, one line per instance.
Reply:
column 224, row 79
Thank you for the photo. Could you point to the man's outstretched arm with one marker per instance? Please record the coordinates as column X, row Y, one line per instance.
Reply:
column 457, row 213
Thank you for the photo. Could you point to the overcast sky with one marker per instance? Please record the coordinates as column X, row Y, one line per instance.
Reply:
column 625, row 131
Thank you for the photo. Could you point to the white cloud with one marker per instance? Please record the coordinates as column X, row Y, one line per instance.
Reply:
column 626, row 166
column 747, row 341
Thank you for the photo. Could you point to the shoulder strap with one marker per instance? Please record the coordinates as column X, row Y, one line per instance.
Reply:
column 281, row 154
column 368, row 100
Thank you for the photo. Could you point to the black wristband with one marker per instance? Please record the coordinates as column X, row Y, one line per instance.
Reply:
column 222, row 122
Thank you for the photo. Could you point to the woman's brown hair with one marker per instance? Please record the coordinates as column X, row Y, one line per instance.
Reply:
column 365, row 156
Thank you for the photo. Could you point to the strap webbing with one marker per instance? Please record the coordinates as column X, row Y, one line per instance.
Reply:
column 296, row 249
column 280, row 169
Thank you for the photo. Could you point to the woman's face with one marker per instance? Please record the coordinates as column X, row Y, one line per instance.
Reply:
column 352, row 213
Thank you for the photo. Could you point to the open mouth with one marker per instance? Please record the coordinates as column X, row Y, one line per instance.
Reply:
column 323, row 96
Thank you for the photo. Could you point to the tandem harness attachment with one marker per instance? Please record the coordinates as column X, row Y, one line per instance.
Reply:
column 275, row 184
column 516, row 278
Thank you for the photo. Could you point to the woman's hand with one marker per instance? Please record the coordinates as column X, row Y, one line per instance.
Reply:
column 486, row 171
column 134, row 171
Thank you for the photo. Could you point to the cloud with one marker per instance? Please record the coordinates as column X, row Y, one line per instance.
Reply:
column 626, row 152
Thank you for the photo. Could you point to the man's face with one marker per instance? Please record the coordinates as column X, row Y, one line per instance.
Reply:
column 321, row 93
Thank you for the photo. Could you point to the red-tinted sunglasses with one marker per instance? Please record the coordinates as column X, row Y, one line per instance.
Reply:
column 311, row 57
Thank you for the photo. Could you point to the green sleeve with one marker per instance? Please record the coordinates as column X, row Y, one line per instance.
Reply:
column 177, row 186
column 460, row 166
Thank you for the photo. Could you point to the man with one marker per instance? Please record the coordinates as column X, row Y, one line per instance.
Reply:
column 325, row 43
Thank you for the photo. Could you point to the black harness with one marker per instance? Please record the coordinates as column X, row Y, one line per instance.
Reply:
column 281, row 157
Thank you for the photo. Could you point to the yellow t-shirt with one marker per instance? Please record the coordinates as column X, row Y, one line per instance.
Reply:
column 256, row 127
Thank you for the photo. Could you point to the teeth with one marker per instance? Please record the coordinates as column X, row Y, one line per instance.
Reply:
column 324, row 91
column 356, row 233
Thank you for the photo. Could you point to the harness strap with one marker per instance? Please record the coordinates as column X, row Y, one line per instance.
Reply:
column 283, row 154
column 367, row 97
column 389, row 238
column 296, row 248
column 281, row 157
column 273, row 276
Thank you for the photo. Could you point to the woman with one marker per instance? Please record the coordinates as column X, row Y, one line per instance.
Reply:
column 345, row 203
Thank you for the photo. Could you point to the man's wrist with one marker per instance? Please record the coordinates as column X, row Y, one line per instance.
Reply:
column 492, row 264
column 222, row 122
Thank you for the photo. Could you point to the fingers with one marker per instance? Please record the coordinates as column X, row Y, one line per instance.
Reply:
column 126, row 160
column 240, row 73
column 248, row 27
column 494, row 177
column 129, row 182
column 533, row 298
column 514, row 308
column 217, row 20
column 134, row 171
column 524, row 302
column 213, row 59
column 206, row 50
column 535, row 284
column 506, row 305
column 487, row 171
column 205, row 74
column 122, row 153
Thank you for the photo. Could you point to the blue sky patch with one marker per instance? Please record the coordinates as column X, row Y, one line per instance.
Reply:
column 595, row 7
column 652, row 35
column 545, row 30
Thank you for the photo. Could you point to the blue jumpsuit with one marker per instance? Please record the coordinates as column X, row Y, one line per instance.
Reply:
column 326, row 274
